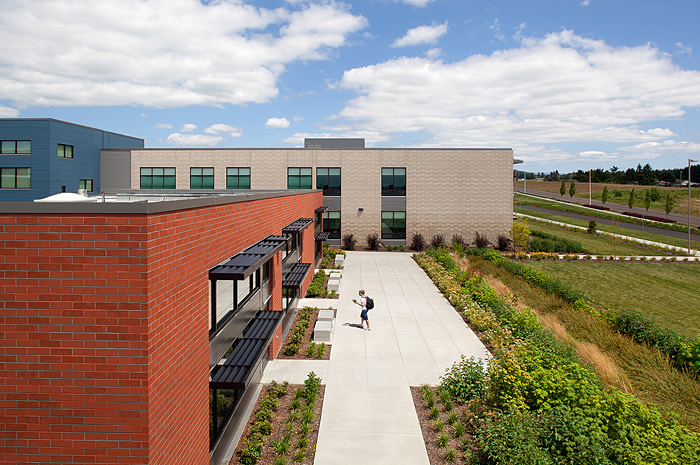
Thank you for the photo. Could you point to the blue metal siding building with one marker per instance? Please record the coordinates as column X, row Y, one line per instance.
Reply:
column 51, row 174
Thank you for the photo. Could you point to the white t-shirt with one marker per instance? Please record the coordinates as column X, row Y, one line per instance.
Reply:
column 363, row 302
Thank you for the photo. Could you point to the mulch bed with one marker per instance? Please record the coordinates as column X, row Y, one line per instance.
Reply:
column 308, row 337
column 325, row 287
column 280, row 428
column 463, row 447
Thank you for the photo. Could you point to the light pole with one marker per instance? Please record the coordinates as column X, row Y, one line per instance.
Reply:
column 689, row 160
column 589, row 187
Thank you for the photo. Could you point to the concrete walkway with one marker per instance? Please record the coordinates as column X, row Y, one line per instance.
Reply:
column 368, row 413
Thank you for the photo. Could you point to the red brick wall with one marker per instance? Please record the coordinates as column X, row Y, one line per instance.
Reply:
column 73, row 387
column 105, row 322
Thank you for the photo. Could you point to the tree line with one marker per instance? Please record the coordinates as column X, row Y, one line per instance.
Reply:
column 642, row 175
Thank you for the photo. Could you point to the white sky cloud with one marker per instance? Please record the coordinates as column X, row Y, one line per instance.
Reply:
column 561, row 88
column 224, row 128
column 664, row 146
column 160, row 53
column 418, row 3
column 684, row 49
column 296, row 119
column 422, row 35
column 193, row 140
column 277, row 123
column 495, row 28
column 7, row 112
column 585, row 2
column 189, row 127
column 163, row 126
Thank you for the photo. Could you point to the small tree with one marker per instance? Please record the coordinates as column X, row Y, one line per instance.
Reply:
column 520, row 233
column 604, row 197
column 670, row 203
column 572, row 189
column 630, row 201
column 562, row 189
column 647, row 200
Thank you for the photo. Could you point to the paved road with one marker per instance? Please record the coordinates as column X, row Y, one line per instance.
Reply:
column 638, row 227
column 683, row 219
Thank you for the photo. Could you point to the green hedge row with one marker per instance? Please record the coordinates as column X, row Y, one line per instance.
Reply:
column 543, row 242
column 542, row 405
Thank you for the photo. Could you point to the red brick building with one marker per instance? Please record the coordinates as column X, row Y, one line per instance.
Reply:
column 116, row 317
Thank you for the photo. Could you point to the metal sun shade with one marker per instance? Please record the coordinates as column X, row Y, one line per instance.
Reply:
column 321, row 209
column 235, row 372
column 322, row 236
column 296, row 276
column 243, row 264
column 297, row 226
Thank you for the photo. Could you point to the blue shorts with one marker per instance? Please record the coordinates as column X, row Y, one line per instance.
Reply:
column 364, row 316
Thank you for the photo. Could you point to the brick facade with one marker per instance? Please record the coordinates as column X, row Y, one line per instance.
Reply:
column 104, row 318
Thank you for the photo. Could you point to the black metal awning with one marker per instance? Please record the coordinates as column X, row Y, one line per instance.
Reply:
column 236, row 371
column 322, row 236
column 296, row 276
column 243, row 264
column 297, row 226
column 321, row 209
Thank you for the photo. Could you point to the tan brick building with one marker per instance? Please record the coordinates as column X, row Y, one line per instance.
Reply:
column 393, row 192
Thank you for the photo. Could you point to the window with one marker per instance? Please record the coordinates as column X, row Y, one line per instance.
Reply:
column 328, row 179
column 15, row 178
column 393, row 225
column 237, row 178
column 85, row 184
column 65, row 151
column 331, row 223
column 394, row 181
column 299, row 178
column 15, row 147
column 157, row 178
column 201, row 178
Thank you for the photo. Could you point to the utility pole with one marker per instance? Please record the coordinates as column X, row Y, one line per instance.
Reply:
column 689, row 160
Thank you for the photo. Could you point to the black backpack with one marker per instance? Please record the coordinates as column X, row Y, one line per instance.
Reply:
column 370, row 303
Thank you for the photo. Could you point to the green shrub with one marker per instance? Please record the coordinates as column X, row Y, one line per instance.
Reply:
column 291, row 349
column 512, row 438
column 316, row 287
column 321, row 350
column 465, row 380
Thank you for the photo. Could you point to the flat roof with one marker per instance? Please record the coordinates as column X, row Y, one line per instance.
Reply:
column 194, row 149
column 146, row 201
column 72, row 124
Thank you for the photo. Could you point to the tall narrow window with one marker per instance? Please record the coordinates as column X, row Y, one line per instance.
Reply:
column 237, row 178
column 15, row 178
column 393, row 225
column 299, row 178
column 157, row 178
column 328, row 179
column 65, row 151
column 85, row 184
column 15, row 147
column 394, row 181
column 201, row 178
column 331, row 224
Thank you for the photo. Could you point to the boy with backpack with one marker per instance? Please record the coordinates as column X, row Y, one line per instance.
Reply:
column 366, row 303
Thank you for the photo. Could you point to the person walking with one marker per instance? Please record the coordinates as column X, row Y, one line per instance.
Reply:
column 364, row 317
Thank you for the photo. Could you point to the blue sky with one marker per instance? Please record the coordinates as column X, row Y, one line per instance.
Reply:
column 568, row 84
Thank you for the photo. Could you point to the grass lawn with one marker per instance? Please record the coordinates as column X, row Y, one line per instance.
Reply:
column 619, row 194
column 613, row 229
column 617, row 359
column 594, row 244
column 667, row 292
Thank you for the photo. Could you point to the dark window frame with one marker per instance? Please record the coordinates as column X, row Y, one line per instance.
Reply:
column 62, row 151
column 334, row 232
column 238, row 177
column 295, row 180
column 16, row 150
column 85, row 183
column 202, row 177
column 163, row 177
column 327, row 182
column 391, row 232
column 390, row 186
column 15, row 177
